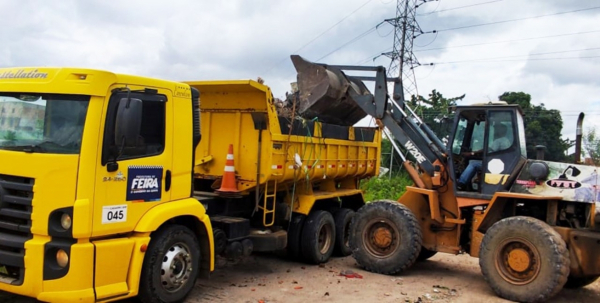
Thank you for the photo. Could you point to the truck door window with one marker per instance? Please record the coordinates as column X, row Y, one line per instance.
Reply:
column 152, row 136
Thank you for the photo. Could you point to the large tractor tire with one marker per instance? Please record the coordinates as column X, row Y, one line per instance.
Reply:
column 342, row 218
column 385, row 237
column 578, row 282
column 295, row 236
column 318, row 237
column 425, row 254
column 524, row 259
column 171, row 265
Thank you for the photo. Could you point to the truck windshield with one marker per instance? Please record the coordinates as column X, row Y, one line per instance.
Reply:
column 42, row 123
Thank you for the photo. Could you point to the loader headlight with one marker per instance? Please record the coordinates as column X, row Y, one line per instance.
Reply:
column 62, row 258
column 65, row 221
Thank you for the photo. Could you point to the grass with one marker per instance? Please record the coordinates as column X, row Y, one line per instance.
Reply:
column 386, row 188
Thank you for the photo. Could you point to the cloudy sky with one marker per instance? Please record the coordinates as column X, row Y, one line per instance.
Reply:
column 550, row 49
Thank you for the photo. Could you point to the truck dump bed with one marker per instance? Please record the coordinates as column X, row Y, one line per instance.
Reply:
column 233, row 112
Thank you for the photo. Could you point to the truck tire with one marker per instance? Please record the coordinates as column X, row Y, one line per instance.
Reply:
column 524, row 259
column 295, row 236
column 385, row 237
column 318, row 237
column 171, row 265
column 342, row 218
column 425, row 254
column 578, row 282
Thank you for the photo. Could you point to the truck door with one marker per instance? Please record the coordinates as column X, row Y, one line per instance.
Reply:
column 502, row 150
column 129, row 181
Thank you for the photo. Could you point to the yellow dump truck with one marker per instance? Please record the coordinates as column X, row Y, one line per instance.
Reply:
column 114, row 186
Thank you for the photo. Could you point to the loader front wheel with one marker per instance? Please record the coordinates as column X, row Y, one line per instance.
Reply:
column 318, row 237
column 170, row 266
column 385, row 237
column 524, row 259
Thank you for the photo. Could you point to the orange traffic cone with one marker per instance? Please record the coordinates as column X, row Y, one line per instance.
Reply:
column 228, row 184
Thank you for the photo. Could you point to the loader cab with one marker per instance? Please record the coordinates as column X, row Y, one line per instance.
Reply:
column 487, row 148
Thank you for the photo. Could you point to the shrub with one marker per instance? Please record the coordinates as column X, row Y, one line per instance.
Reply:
column 385, row 187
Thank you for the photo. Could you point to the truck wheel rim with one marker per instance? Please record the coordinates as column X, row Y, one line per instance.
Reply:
column 381, row 238
column 518, row 261
column 324, row 239
column 176, row 267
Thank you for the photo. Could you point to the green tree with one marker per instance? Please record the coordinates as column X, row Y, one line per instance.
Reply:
column 542, row 127
column 436, row 111
column 591, row 145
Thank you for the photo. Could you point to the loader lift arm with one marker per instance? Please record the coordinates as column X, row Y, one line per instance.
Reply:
column 328, row 84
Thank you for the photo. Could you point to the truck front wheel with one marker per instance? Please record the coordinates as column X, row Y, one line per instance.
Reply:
column 385, row 237
column 171, row 265
column 524, row 259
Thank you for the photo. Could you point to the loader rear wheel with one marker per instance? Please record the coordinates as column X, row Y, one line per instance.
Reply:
column 524, row 259
column 425, row 254
column 318, row 237
column 295, row 236
column 385, row 237
column 578, row 282
column 170, row 266
column 342, row 218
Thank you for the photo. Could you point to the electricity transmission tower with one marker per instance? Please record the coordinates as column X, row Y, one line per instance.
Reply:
column 403, row 60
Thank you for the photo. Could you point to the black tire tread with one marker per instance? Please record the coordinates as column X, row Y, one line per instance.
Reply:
column 340, row 216
column 411, row 223
column 294, row 249
column 425, row 254
column 309, row 245
column 579, row 282
column 559, row 254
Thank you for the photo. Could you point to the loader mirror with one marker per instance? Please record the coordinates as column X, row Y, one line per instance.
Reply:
column 128, row 123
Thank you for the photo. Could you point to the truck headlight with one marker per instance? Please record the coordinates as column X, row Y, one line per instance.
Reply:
column 65, row 221
column 62, row 258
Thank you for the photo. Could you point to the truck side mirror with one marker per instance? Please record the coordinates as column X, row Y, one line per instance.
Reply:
column 128, row 123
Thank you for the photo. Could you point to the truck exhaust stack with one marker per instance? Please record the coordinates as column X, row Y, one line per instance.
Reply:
column 325, row 93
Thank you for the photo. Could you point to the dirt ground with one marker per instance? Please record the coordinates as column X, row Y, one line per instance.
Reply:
column 272, row 278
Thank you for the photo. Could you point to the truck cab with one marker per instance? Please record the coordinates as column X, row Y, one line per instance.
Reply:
column 91, row 165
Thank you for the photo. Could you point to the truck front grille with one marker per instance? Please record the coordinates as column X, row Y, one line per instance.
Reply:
column 16, row 195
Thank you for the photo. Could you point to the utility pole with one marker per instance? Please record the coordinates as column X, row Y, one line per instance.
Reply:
column 403, row 60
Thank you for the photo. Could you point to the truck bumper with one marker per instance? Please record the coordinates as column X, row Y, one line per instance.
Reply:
column 48, row 283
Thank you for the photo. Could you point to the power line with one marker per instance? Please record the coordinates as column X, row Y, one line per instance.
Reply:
column 320, row 35
column 515, row 60
column 455, row 8
column 513, row 20
column 516, row 56
column 506, row 41
column 360, row 36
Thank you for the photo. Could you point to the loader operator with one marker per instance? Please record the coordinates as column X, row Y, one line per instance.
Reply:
column 501, row 142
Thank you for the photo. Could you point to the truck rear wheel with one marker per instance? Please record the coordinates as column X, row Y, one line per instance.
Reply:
column 342, row 218
column 385, row 237
column 524, row 259
column 578, row 282
column 171, row 265
column 295, row 236
column 318, row 237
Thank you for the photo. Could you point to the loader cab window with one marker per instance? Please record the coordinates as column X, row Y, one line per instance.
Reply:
column 501, row 133
column 151, row 141
column 470, row 132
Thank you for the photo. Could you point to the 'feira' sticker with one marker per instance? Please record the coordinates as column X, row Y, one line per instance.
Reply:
column 144, row 183
column 114, row 214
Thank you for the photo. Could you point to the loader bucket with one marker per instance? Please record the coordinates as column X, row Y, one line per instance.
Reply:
column 325, row 93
